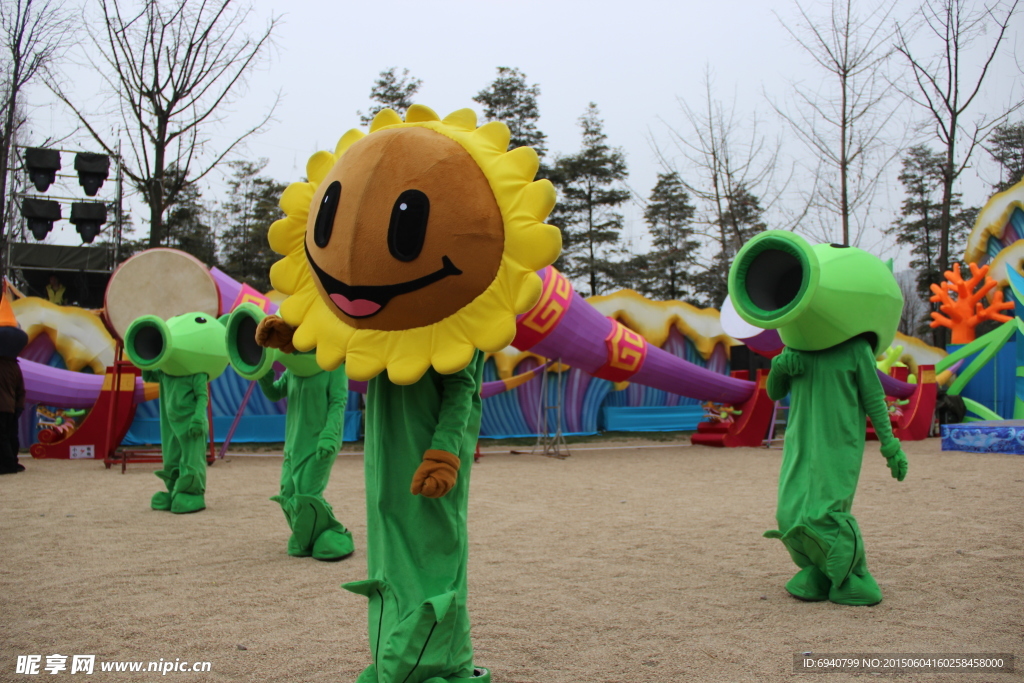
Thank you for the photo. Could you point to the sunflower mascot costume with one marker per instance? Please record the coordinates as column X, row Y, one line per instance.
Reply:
column 408, row 253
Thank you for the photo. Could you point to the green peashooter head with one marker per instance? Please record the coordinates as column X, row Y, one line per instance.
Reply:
column 252, row 361
column 815, row 296
column 184, row 345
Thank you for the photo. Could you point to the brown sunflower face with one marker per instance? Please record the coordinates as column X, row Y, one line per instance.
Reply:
column 404, row 231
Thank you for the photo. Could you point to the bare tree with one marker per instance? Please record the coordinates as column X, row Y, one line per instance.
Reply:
column 32, row 36
column 736, row 180
column 843, row 125
column 915, row 315
column 938, row 88
column 172, row 68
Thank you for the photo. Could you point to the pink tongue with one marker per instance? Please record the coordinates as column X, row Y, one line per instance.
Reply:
column 358, row 308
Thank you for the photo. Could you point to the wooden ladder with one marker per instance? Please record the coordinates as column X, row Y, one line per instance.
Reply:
column 779, row 417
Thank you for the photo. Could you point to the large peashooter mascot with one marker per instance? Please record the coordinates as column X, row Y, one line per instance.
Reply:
column 183, row 354
column 836, row 308
column 409, row 251
column 312, row 433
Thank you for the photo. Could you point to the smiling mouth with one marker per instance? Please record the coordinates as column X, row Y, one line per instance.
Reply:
column 367, row 300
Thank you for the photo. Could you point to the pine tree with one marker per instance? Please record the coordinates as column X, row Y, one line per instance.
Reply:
column 919, row 224
column 186, row 223
column 590, row 189
column 1006, row 145
column 247, row 215
column 510, row 100
column 669, row 216
column 391, row 91
column 741, row 219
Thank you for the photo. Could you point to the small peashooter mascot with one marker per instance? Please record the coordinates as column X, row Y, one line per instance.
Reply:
column 836, row 308
column 409, row 251
column 183, row 354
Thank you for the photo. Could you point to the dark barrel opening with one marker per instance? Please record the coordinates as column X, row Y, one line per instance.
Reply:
column 773, row 279
column 148, row 342
column 249, row 352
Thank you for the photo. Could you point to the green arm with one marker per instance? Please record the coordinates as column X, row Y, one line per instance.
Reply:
column 458, row 390
column 337, row 399
column 199, row 386
column 152, row 375
column 785, row 366
column 872, row 397
column 273, row 389
column 778, row 385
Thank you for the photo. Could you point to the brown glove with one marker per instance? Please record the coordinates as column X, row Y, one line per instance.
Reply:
column 275, row 333
column 436, row 475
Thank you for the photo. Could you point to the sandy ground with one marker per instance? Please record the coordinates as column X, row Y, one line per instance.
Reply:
column 631, row 560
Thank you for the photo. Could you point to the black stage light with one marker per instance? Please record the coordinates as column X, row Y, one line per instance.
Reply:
column 40, row 214
column 42, row 166
column 88, row 217
column 92, row 169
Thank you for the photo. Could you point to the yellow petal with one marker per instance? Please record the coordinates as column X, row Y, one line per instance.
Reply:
column 463, row 119
column 318, row 166
column 534, row 245
column 364, row 359
column 490, row 321
column 405, row 370
column 419, row 113
column 283, row 276
column 521, row 164
column 529, row 293
column 295, row 200
column 452, row 349
column 385, row 117
column 348, row 139
column 494, row 135
column 286, row 235
column 537, row 199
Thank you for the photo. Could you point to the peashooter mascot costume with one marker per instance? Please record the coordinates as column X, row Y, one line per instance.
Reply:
column 409, row 251
column 313, row 429
column 836, row 308
column 183, row 354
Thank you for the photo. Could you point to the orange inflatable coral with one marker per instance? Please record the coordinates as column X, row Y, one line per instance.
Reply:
column 967, row 310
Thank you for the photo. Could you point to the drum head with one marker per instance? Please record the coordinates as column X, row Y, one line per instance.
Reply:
column 161, row 282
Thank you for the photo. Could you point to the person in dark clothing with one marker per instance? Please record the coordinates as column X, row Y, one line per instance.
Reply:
column 12, row 388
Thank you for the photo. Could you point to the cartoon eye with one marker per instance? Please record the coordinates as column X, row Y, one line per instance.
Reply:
column 200, row 319
column 325, row 216
column 408, row 226
column 839, row 246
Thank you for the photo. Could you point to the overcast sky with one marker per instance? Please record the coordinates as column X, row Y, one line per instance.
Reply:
column 634, row 59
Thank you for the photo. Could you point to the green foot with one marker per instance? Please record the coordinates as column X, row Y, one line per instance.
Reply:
column 161, row 501
column 480, row 675
column 809, row 584
column 333, row 545
column 310, row 518
column 859, row 590
column 296, row 548
column 184, row 503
